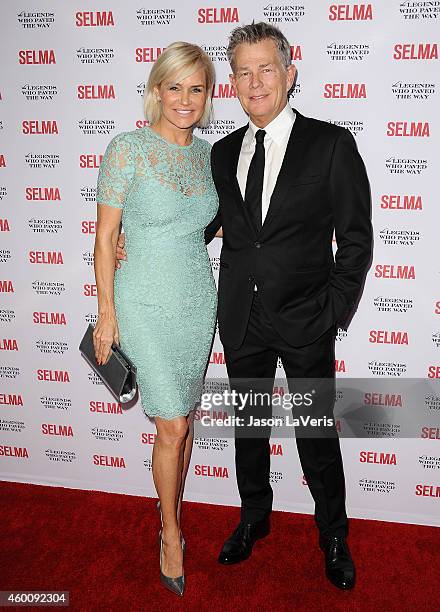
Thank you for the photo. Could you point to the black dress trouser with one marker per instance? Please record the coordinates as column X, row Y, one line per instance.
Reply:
column 320, row 457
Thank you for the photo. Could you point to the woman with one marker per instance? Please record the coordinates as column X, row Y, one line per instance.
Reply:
column 161, row 305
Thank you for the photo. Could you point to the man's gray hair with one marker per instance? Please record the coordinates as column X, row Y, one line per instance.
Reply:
column 254, row 33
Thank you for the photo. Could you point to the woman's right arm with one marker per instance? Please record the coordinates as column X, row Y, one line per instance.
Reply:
column 106, row 329
column 116, row 174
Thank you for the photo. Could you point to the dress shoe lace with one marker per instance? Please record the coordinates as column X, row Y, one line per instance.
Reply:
column 337, row 545
column 243, row 531
column 239, row 530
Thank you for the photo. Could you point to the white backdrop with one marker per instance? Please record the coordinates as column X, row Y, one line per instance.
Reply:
column 72, row 77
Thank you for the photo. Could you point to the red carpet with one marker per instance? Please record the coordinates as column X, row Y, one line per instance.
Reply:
column 103, row 549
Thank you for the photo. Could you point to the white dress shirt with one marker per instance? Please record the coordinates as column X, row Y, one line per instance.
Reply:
column 275, row 144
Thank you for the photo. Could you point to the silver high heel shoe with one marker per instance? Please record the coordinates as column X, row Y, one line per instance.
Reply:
column 182, row 539
column 175, row 585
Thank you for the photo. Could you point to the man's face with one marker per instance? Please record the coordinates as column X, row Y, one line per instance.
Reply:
column 261, row 80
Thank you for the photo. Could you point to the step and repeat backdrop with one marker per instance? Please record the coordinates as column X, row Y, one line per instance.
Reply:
column 73, row 76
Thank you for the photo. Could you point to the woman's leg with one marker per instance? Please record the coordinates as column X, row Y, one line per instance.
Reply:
column 168, row 461
column 186, row 460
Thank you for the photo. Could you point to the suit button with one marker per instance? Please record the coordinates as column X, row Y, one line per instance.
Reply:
column 250, row 278
column 257, row 245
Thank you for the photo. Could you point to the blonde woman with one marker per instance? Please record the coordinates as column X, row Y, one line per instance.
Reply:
column 160, row 306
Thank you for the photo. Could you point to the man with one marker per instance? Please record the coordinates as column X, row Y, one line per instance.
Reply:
column 285, row 183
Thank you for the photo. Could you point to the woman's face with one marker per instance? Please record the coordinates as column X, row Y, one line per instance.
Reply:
column 183, row 103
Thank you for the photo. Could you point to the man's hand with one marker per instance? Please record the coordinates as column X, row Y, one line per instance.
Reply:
column 120, row 251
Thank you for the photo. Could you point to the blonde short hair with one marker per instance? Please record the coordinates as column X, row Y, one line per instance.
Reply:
column 180, row 59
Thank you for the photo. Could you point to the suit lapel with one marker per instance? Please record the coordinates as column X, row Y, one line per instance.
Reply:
column 292, row 159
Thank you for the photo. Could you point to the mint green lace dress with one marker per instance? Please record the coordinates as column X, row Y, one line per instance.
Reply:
column 165, row 295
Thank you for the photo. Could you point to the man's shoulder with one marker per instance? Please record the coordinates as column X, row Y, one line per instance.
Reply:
column 324, row 127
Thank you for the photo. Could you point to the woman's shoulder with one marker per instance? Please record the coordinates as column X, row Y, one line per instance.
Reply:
column 202, row 143
column 127, row 142
column 121, row 139
column 131, row 136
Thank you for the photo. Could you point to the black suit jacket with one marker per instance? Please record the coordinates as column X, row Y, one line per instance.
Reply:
column 322, row 186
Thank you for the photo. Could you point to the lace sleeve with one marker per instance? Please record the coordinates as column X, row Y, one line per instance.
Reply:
column 116, row 172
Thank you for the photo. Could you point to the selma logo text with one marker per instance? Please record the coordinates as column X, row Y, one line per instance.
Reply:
column 53, row 376
column 38, row 194
column 421, row 51
column 394, row 272
column 46, row 257
column 383, row 399
column 345, row 90
column 212, row 471
column 52, row 429
column 378, row 458
column 384, row 336
column 218, row 15
column 350, row 12
column 109, row 461
column 147, row 54
column 401, row 202
column 224, row 90
column 105, row 407
column 36, row 56
column 96, row 92
column 94, row 19
column 39, row 127
column 407, row 128
column 49, row 318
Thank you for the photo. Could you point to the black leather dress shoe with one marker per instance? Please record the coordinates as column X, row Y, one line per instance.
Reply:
column 239, row 546
column 339, row 566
